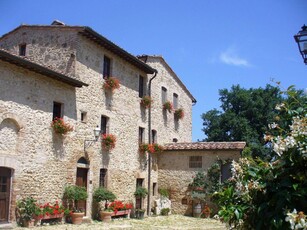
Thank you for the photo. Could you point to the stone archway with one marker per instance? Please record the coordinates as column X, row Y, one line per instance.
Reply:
column 5, row 193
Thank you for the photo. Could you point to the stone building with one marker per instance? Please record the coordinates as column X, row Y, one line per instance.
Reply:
column 181, row 161
column 49, row 71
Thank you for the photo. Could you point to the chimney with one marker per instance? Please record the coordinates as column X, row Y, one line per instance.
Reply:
column 57, row 23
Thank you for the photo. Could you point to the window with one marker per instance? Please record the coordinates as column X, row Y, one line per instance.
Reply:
column 103, row 178
column 141, row 135
column 175, row 101
column 154, row 189
column 104, row 124
column 57, row 110
column 195, row 162
column 141, row 86
column 154, row 136
column 164, row 95
column 22, row 49
column 106, row 67
column 84, row 117
column 225, row 171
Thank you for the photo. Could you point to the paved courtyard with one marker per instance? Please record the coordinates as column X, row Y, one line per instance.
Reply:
column 158, row 222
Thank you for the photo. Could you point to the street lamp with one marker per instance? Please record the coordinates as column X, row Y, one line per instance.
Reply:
column 301, row 40
column 88, row 143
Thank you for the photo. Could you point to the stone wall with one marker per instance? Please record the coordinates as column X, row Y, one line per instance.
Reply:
column 175, row 174
column 54, row 48
column 162, row 121
column 28, row 145
column 49, row 162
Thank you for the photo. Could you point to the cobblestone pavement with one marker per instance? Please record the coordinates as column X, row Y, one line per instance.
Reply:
column 158, row 222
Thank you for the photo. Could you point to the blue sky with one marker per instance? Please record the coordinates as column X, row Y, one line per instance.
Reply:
column 210, row 44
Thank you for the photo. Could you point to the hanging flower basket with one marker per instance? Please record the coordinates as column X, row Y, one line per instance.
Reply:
column 168, row 106
column 146, row 102
column 179, row 113
column 59, row 126
column 155, row 148
column 111, row 84
column 143, row 148
column 108, row 141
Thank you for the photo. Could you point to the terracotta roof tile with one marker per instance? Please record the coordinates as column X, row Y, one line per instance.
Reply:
column 205, row 146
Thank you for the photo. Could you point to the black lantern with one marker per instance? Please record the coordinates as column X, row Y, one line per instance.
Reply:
column 301, row 39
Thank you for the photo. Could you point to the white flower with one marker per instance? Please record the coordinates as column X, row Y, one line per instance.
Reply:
column 280, row 106
column 273, row 125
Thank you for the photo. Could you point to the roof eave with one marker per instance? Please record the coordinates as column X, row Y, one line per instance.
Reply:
column 102, row 41
column 18, row 61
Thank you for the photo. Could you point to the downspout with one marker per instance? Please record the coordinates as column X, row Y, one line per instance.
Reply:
column 149, row 141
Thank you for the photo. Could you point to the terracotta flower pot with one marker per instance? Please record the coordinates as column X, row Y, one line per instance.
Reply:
column 77, row 217
column 105, row 216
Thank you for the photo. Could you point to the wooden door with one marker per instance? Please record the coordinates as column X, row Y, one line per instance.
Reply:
column 82, row 181
column 5, row 182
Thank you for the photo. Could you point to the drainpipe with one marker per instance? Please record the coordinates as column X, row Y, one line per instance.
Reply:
column 149, row 141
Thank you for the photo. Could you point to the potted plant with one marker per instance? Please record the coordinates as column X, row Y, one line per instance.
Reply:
column 168, row 106
column 179, row 113
column 73, row 194
column 111, row 83
column 146, row 102
column 140, row 192
column 139, row 213
column 27, row 210
column 61, row 127
column 102, row 194
column 108, row 141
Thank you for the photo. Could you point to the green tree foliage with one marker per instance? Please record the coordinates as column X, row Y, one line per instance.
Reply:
column 272, row 194
column 244, row 116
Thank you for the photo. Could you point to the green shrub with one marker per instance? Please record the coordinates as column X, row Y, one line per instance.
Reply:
column 164, row 192
column 140, row 192
column 165, row 211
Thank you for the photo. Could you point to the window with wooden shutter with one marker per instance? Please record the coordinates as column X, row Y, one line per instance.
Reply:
column 164, row 95
column 195, row 162
column 104, row 124
column 106, row 67
column 57, row 110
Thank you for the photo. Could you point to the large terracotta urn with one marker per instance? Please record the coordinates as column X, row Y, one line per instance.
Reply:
column 105, row 216
column 77, row 217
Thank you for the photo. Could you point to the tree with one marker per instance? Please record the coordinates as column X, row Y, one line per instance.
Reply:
column 272, row 194
column 245, row 115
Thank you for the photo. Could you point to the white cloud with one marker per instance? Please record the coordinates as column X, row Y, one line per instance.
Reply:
column 230, row 57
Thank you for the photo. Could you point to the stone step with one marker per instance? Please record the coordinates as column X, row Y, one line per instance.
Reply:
column 6, row 226
column 87, row 220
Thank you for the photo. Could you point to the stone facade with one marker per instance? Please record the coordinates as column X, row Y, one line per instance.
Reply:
column 175, row 173
column 37, row 156
column 42, row 162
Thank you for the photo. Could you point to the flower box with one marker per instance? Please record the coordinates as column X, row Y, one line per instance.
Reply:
column 54, row 216
column 168, row 106
column 61, row 127
column 146, row 102
column 179, row 113
column 110, row 84
column 125, row 213
column 108, row 141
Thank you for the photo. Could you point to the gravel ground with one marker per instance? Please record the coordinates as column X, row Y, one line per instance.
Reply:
column 158, row 222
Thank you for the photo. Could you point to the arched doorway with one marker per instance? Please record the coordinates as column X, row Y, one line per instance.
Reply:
column 5, row 193
column 81, row 180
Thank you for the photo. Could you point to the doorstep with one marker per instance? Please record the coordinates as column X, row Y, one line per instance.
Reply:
column 87, row 220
